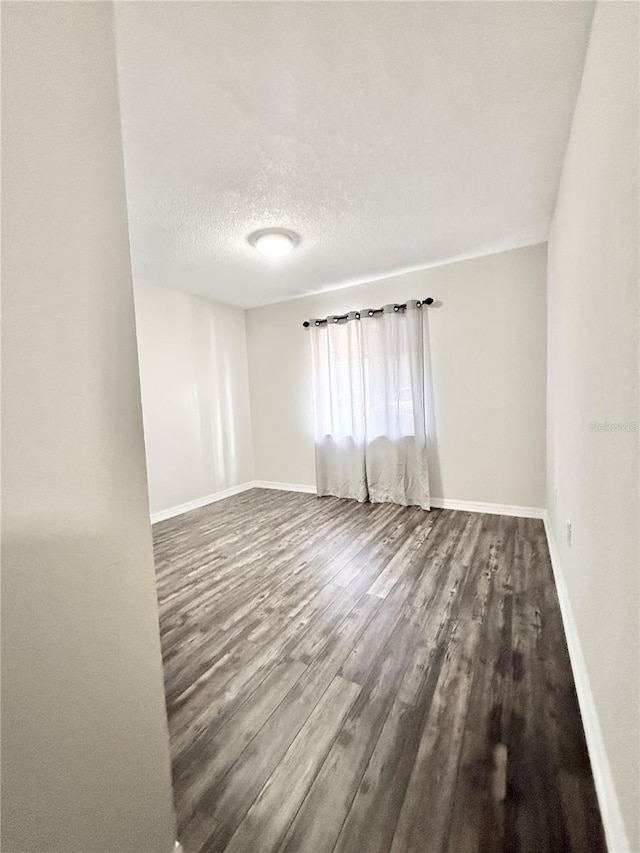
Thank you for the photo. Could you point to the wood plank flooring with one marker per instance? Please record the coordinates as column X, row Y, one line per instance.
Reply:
column 358, row 678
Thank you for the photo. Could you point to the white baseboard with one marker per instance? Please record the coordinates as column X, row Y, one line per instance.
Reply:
column 163, row 514
column 617, row 841
column 489, row 508
column 436, row 503
column 171, row 512
column 283, row 487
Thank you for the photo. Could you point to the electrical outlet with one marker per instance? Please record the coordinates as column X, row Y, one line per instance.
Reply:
column 568, row 533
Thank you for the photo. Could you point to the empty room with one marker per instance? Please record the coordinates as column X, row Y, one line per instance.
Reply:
column 320, row 448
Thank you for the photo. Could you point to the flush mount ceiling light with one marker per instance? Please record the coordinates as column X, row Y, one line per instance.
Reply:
column 274, row 244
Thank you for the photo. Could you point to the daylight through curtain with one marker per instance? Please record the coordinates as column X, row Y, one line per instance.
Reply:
column 369, row 391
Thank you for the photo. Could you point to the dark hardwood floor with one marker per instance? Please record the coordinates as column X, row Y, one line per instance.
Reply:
column 368, row 678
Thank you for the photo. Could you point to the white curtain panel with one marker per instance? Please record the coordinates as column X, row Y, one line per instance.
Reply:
column 369, row 390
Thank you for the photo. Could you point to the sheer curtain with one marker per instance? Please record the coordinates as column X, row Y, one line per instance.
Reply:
column 369, row 389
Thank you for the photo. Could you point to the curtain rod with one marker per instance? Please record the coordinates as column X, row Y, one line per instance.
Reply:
column 370, row 312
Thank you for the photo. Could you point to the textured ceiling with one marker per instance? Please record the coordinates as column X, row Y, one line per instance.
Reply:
column 390, row 136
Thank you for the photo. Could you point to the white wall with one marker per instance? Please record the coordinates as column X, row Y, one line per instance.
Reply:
column 488, row 344
column 85, row 752
column 195, row 395
column 593, row 377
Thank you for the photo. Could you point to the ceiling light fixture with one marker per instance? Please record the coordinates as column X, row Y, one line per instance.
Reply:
column 274, row 244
